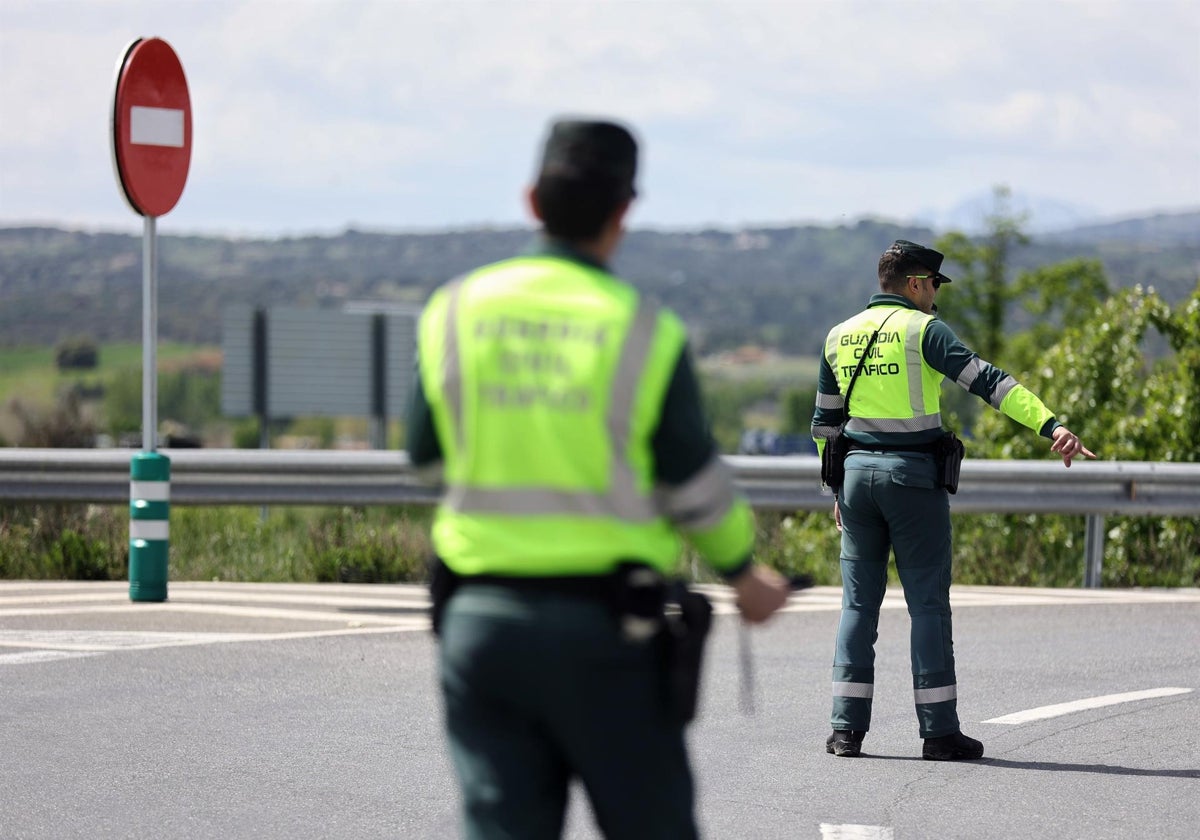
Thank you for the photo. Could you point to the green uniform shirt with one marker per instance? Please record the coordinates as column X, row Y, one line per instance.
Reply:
column 678, row 451
column 940, row 352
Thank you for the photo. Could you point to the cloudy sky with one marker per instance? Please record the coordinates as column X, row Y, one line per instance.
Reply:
column 315, row 115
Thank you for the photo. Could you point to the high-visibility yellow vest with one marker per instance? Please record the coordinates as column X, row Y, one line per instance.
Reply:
column 896, row 392
column 545, row 378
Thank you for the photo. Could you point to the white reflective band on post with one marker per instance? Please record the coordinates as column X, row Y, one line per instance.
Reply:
column 854, row 689
column 150, row 491
column 149, row 529
column 935, row 695
column 156, row 126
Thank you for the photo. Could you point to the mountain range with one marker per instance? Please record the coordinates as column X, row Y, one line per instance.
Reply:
column 779, row 287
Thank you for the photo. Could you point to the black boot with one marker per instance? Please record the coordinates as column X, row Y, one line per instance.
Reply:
column 954, row 747
column 845, row 742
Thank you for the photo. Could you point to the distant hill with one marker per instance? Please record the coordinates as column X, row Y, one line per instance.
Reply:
column 1164, row 229
column 775, row 286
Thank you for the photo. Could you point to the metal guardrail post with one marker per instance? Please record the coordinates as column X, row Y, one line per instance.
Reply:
column 1093, row 550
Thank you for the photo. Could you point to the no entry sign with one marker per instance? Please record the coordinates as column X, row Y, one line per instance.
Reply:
column 151, row 127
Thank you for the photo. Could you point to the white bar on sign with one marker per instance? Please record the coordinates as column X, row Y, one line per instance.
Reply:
column 156, row 126
column 149, row 529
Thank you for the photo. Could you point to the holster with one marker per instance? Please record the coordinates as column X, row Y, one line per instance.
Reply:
column 673, row 618
column 685, row 633
column 833, row 460
column 442, row 583
column 948, row 455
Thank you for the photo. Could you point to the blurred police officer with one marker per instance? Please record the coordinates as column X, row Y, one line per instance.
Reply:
column 894, row 494
column 565, row 410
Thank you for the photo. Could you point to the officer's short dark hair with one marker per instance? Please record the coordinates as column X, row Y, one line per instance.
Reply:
column 586, row 173
column 894, row 268
column 904, row 258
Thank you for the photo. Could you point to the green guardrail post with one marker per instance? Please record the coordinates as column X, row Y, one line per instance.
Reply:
column 149, row 525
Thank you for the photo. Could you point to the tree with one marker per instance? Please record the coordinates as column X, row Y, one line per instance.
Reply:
column 1098, row 380
column 977, row 309
column 1057, row 296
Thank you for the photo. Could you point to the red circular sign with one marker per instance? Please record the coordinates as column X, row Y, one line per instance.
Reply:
column 151, row 127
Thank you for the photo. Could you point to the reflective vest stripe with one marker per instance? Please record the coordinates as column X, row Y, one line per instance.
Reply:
column 974, row 369
column 539, row 501
column 831, row 345
column 914, row 363
column 622, row 498
column 452, row 364
column 824, row 431
column 1001, row 391
column 969, row 373
column 935, row 695
column 854, row 689
column 892, row 425
column 830, row 401
column 702, row 501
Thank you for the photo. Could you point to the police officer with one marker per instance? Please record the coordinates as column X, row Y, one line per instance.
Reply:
column 564, row 408
column 893, row 494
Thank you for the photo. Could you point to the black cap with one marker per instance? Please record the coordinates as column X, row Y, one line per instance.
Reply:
column 927, row 257
column 590, row 150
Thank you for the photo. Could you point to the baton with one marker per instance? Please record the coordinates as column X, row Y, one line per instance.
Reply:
column 746, row 655
column 746, row 660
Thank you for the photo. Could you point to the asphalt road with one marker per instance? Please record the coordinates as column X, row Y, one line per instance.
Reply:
column 242, row 710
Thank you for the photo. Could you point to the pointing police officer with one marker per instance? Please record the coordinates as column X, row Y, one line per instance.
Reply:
column 894, row 492
column 565, row 410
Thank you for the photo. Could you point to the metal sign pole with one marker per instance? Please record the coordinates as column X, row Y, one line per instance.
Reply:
column 150, row 471
column 149, row 336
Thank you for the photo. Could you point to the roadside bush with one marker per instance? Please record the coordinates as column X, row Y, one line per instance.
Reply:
column 63, row 425
column 61, row 542
column 348, row 546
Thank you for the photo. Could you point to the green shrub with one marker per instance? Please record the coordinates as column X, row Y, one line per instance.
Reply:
column 351, row 547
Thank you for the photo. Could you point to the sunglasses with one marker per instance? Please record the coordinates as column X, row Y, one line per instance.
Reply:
column 937, row 281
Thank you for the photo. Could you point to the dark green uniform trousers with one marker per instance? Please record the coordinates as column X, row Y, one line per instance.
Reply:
column 892, row 501
column 539, row 689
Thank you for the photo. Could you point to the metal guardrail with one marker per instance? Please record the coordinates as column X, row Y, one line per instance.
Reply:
column 1094, row 489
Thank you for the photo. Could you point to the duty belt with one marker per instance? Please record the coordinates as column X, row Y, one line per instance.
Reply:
column 926, row 448
column 600, row 587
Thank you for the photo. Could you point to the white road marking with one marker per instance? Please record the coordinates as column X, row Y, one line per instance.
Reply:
column 101, row 641
column 1058, row 709
column 30, row 657
column 829, row 831
column 829, row 598
column 349, row 619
